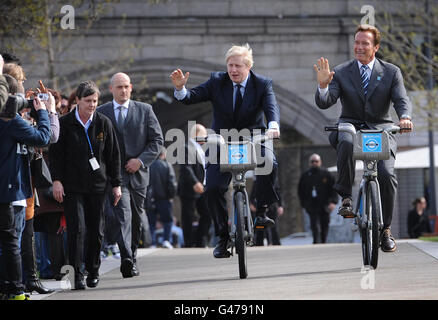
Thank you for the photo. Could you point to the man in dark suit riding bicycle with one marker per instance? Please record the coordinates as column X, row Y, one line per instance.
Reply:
column 241, row 99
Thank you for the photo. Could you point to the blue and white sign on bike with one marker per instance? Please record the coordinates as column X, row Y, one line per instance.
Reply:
column 372, row 142
column 238, row 154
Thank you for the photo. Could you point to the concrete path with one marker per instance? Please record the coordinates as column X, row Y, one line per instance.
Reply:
column 311, row 272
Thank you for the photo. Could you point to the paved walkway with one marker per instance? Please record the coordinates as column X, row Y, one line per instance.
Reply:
column 301, row 271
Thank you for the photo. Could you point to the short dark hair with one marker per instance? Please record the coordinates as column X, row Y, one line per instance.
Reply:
column 87, row 88
column 372, row 29
column 10, row 58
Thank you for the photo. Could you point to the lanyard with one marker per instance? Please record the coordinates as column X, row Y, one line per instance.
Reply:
column 89, row 142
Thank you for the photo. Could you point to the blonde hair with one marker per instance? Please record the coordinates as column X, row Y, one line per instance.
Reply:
column 15, row 71
column 245, row 51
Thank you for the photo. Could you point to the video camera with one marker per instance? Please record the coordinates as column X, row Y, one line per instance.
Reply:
column 15, row 104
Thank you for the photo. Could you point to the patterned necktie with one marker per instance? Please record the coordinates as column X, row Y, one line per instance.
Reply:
column 365, row 79
column 120, row 119
column 239, row 100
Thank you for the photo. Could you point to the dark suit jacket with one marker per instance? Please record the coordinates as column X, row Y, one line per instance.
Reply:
column 258, row 100
column 190, row 174
column 385, row 86
column 142, row 138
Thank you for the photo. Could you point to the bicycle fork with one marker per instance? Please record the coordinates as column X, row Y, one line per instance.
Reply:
column 361, row 203
column 239, row 183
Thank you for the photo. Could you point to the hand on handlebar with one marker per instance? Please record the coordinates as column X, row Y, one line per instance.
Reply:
column 405, row 125
column 273, row 133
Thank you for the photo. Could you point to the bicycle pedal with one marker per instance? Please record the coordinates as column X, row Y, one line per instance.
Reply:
column 349, row 216
column 346, row 213
column 260, row 227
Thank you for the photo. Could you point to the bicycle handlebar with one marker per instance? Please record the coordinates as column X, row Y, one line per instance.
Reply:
column 218, row 139
column 348, row 127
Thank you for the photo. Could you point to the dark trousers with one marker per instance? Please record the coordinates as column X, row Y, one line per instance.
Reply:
column 28, row 252
column 163, row 209
column 319, row 223
column 217, row 186
column 84, row 214
column 128, row 220
column 271, row 234
column 188, row 207
column 10, row 251
column 346, row 174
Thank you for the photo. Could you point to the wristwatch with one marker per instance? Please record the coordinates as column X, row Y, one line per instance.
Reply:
column 405, row 116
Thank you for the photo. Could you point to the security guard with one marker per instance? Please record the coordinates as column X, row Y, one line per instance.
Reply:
column 317, row 197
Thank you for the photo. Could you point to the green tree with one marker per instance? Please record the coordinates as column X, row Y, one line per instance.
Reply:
column 409, row 40
column 32, row 27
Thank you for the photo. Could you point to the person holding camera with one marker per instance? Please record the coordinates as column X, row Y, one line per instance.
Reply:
column 3, row 86
column 15, row 184
column 24, row 209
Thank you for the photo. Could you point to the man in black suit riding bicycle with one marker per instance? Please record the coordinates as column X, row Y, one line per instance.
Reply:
column 241, row 99
column 366, row 86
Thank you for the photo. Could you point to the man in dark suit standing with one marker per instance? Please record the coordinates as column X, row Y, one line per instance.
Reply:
column 241, row 99
column 140, row 140
column 191, row 184
column 366, row 86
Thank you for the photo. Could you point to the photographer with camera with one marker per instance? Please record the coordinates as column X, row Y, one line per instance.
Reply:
column 3, row 86
column 15, row 184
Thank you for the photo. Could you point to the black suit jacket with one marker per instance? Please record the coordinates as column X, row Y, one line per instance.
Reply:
column 258, row 101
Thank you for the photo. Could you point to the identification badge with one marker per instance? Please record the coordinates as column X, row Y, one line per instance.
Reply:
column 314, row 194
column 94, row 164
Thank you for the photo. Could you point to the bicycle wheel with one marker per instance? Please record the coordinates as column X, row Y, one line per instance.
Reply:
column 360, row 215
column 240, row 234
column 371, row 232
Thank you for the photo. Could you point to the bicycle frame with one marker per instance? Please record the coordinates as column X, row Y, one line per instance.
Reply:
column 370, row 146
column 238, row 166
column 239, row 185
column 369, row 174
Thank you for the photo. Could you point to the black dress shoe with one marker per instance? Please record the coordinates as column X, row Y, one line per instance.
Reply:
column 387, row 242
column 262, row 222
column 79, row 284
column 221, row 249
column 126, row 268
column 346, row 210
column 59, row 276
column 92, row 281
column 135, row 271
column 36, row 285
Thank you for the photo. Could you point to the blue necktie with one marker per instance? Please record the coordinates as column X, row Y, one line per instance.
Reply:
column 365, row 79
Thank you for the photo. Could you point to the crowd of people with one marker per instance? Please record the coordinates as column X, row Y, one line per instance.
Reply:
column 89, row 178
column 94, row 179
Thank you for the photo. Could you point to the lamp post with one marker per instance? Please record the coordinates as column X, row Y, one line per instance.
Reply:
column 429, row 87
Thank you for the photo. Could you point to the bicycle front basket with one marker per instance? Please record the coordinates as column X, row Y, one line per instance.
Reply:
column 372, row 145
column 239, row 156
